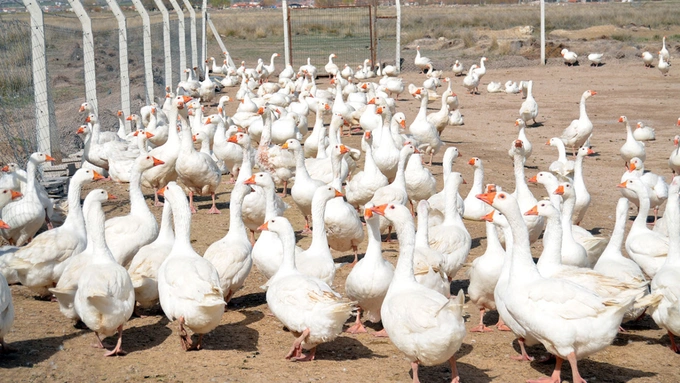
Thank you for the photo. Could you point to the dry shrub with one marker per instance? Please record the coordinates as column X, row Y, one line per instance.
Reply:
column 494, row 44
column 468, row 38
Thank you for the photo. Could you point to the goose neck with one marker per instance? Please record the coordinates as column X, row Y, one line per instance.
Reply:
column 336, row 164
column 270, row 197
column 288, row 242
column 582, row 107
column 31, row 169
column 643, row 211
column 95, row 231
column 613, row 248
column 137, row 203
column 565, row 218
column 75, row 211
column 165, row 232
column 518, row 169
column 552, row 242
column 182, row 218
column 406, row 233
column 478, row 180
column 423, row 232
column 522, row 264
column 236, row 224
column 493, row 244
column 673, row 222
column 318, row 215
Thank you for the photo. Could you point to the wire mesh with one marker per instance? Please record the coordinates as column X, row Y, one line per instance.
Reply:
column 318, row 32
column 17, row 118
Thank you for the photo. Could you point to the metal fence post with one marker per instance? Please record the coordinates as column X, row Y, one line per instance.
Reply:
column 182, row 39
column 123, row 60
column 194, row 47
column 45, row 120
column 88, row 54
column 397, row 59
column 166, row 43
column 148, row 72
column 204, row 41
column 286, row 34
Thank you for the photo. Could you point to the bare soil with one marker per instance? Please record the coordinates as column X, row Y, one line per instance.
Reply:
column 249, row 345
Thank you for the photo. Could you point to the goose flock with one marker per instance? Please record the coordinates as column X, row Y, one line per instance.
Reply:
column 102, row 269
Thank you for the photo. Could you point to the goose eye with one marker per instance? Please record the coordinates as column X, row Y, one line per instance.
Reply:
column 501, row 196
column 392, row 207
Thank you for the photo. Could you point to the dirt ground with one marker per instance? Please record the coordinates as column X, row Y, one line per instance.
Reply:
column 249, row 345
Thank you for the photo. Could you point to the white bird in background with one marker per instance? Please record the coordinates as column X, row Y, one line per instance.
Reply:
column 648, row 59
column 570, row 58
column 595, row 59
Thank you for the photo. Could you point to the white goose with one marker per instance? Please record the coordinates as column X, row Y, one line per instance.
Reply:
column 343, row 227
column 592, row 321
column 595, row 59
column 582, row 194
column 451, row 237
column 663, row 66
column 420, row 183
column 188, row 285
column 231, row 254
column 421, row 61
column 576, row 134
column 159, row 176
column 307, row 306
column 267, row 251
column 614, row 264
column 319, row 131
column 386, row 150
column 143, row 269
column 423, row 130
column 648, row 59
column 39, row 264
column 632, row 147
column 197, row 171
column 126, row 234
column 573, row 253
column 304, row 187
column 529, row 109
column 6, row 308
column 674, row 158
column 664, row 51
column 422, row 323
column 458, row 68
column 395, row 192
column 570, row 58
column 485, row 272
column 562, row 168
column 646, row 247
column 428, row 262
column 663, row 299
column 25, row 216
column 279, row 163
column 658, row 188
column 643, row 132
column 317, row 260
column 524, row 196
column 228, row 152
column 105, row 297
column 522, row 136
column 363, row 185
column 437, row 202
column 475, row 209
column 471, row 81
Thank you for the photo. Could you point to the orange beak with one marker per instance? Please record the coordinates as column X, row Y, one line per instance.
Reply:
column 97, row 176
column 464, row 182
column 621, row 119
column 3, row 225
column 338, row 193
column 15, row 194
column 208, row 121
column 547, row 142
column 5, row 169
column 489, row 217
column 343, row 149
column 88, row 119
column 327, row 107
column 260, row 110
column 518, row 143
column 371, row 101
column 120, row 113
column 379, row 110
column 590, row 151
column 631, row 167
column 379, row 209
column 82, row 109
column 129, row 118
column 264, row 226
column 471, row 162
column 402, row 123
column 110, row 196
column 162, row 192
column 622, row 185
column 533, row 211
column 148, row 135
column 367, row 135
column 186, row 99
column 533, row 180
column 135, row 133
column 516, row 122
column 193, row 138
column 559, row 190
column 232, row 139
column 250, row 181
column 368, row 213
column 592, row 92
column 157, row 162
column 80, row 130
column 49, row 158
column 487, row 197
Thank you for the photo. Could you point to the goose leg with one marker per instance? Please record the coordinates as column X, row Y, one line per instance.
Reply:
column 184, row 338
column 296, row 351
column 555, row 377
column 414, row 368
column 196, row 346
column 356, row 255
column 156, row 202
column 501, row 325
column 480, row 327
column 674, row 346
column 524, row 356
column 252, row 237
column 213, row 209
column 358, row 327
column 575, row 375
column 455, row 378
column 191, row 202
column 431, row 155
column 118, row 350
column 381, row 334
column 285, row 189
column 48, row 221
column 307, row 229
